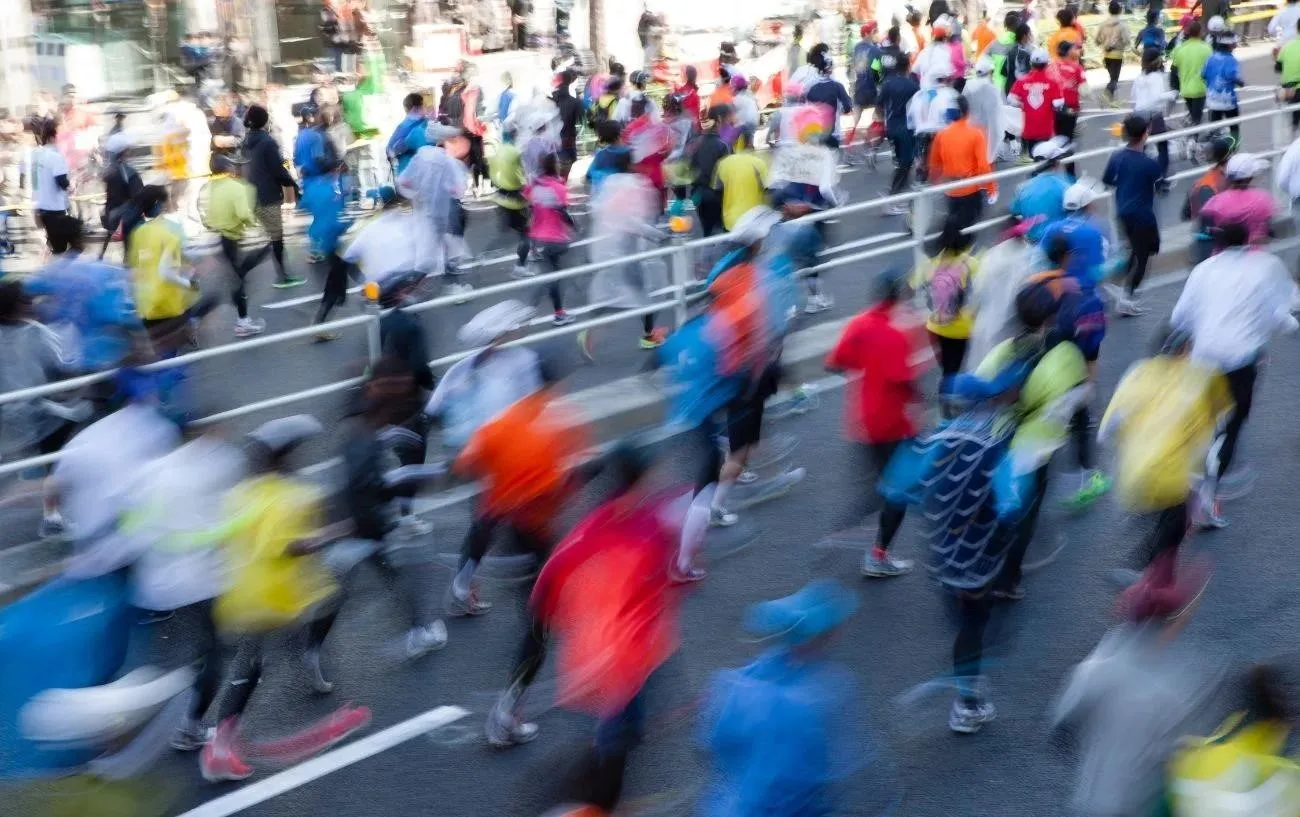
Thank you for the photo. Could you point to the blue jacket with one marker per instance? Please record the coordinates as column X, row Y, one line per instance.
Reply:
column 1043, row 196
column 700, row 388
column 1222, row 75
column 95, row 299
column 1087, row 245
column 408, row 137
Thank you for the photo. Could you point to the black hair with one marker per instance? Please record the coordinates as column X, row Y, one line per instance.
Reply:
column 614, row 85
column 1152, row 59
column 1136, row 127
column 608, row 131
column 256, row 117
column 616, row 69
column 1065, row 17
column 963, row 107
column 13, row 301
column 412, row 101
column 1232, row 234
column 691, row 75
column 1023, row 32
column 1153, row 17
column 672, row 104
column 1194, row 28
column 45, row 131
column 1114, row 7
column 151, row 199
column 1011, row 21
column 640, row 104
column 798, row 30
column 894, row 34
column 1057, row 250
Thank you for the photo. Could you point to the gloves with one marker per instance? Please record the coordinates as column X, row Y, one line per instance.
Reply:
column 991, row 198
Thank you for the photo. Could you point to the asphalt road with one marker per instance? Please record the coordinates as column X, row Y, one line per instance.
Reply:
column 900, row 638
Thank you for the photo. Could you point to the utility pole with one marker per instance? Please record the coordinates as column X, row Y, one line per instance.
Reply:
column 596, row 29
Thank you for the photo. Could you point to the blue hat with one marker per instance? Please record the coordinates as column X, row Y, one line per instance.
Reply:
column 819, row 608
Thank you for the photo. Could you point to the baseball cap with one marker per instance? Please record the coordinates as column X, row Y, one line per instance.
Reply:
column 1217, row 24
column 1244, row 166
column 1039, row 57
column 1082, row 193
column 1053, row 148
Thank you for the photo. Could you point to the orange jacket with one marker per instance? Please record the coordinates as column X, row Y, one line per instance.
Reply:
column 960, row 151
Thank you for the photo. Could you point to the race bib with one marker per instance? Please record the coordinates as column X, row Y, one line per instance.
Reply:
column 803, row 164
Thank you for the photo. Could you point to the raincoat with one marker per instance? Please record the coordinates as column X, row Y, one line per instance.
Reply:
column 986, row 111
column 623, row 213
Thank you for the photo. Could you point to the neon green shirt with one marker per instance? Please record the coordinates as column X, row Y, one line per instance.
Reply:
column 1189, row 60
column 1289, row 58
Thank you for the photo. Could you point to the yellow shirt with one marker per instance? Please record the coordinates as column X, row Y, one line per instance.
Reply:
column 958, row 327
column 157, row 246
column 743, row 177
column 269, row 588
column 230, row 206
column 1166, row 409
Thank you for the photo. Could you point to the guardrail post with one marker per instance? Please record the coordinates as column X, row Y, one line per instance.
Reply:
column 1281, row 138
column 922, row 207
column 374, row 344
column 682, row 277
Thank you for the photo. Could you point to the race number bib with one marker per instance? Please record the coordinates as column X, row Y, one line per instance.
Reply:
column 803, row 164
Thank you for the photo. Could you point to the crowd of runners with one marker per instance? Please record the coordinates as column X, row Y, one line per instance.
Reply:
column 968, row 376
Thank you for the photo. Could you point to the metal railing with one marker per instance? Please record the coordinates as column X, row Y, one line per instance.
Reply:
column 678, row 254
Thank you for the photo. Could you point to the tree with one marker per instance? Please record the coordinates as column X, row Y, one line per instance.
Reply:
column 596, row 27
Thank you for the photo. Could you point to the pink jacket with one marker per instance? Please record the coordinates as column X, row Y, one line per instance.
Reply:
column 548, row 197
column 1252, row 206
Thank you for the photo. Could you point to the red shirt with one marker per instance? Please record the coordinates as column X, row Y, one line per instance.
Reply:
column 886, row 348
column 1037, row 92
column 1069, row 75
column 690, row 101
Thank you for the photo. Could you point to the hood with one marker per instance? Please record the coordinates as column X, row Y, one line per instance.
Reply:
column 256, row 137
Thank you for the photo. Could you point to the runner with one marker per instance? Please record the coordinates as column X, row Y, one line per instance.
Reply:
column 1135, row 177
column 1162, row 417
column 1222, row 74
column 1039, row 96
column 551, row 229
column 1212, row 183
column 896, row 94
column 229, row 213
column 1114, row 38
column 929, row 111
column 985, row 101
column 1042, row 198
column 265, row 170
column 1241, row 203
column 434, row 182
column 774, row 727
column 1188, row 62
column 957, row 152
column 273, row 533
column 885, row 409
column 410, row 134
column 946, row 282
column 1151, row 98
column 1232, row 304
column 866, row 74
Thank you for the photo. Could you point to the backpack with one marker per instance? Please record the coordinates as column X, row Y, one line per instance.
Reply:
column 946, row 291
column 1152, row 37
column 602, row 109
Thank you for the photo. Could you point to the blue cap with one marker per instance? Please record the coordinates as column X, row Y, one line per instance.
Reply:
column 819, row 608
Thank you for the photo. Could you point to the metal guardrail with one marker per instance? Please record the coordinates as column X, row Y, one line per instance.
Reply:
column 679, row 255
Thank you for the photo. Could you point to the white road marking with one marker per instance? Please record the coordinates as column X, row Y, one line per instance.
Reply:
column 328, row 763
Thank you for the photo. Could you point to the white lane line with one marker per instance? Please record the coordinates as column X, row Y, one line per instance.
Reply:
column 328, row 763
column 862, row 242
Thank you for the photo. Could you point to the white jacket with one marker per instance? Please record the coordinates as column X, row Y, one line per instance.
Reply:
column 1151, row 93
column 986, row 111
column 1288, row 171
column 927, row 112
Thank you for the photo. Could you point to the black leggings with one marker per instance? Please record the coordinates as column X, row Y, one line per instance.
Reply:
column 1241, row 384
column 1195, row 109
column 709, row 211
column 1022, row 534
column 516, row 221
column 891, row 515
column 553, row 255
column 1215, row 116
column 1113, row 64
column 240, row 267
column 208, row 682
column 529, row 659
column 973, row 611
column 336, row 287
column 952, row 353
column 705, row 441
column 1166, row 535
column 1081, row 429
column 479, row 539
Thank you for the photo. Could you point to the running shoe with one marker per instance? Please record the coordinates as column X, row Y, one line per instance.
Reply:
column 505, row 729
column 289, row 282
column 585, row 346
column 562, row 319
column 720, row 518
column 191, row 736
column 965, row 719
column 747, row 477
column 522, row 271
column 156, row 616
column 1129, row 308
column 689, row 576
column 459, row 291
column 653, row 340
column 1095, row 487
column 1235, row 484
column 817, row 303
column 1015, row 593
column 1211, row 517
column 218, row 761
column 325, row 337
column 247, row 327
column 468, row 605
column 52, row 526
column 319, row 683
column 885, row 566
column 412, row 526
column 424, row 640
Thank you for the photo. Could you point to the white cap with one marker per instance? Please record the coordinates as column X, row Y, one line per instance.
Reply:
column 1244, row 166
column 1053, row 148
column 285, row 432
column 755, row 224
column 1082, row 193
column 939, row 73
column 983, row 66
column 1217, row 24
column 1039, row 57
column 116, row 143
column 493, row 322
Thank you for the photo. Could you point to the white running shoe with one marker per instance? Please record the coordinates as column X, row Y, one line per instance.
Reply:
column 522, row 271
column 505, row 729
column 1129, row 308
column 817, row 303
column 248, row 327
column 720, row 518
column 424, row 640
column 967, row 720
